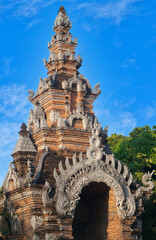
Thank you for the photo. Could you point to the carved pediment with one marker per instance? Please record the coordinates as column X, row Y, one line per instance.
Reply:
column 37, row 119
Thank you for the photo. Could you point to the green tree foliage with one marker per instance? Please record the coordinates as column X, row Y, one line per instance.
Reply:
column 138, row 152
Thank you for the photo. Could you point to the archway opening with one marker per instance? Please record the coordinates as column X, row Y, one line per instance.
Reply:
column 91, row 214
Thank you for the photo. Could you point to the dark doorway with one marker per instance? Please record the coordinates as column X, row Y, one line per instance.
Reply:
column 91, row 214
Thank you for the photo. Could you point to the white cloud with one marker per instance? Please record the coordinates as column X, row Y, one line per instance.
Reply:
column 114, row 10
column 128, row 62
column 13, row 101
column 14, row 109
column 23, row 8
column 116, row 114
column 6, row 67
column 119, row 122
column 150, row 111
column 32, row 23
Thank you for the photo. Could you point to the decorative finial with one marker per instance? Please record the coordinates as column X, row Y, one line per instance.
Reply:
column 23, row 132
column 23, row 127
column 62, row 21
column 37, row 103
column 61, row 9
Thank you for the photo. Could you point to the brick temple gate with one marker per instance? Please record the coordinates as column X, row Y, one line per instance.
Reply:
column 64, row 182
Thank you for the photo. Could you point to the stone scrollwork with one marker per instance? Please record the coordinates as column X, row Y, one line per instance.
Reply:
column 54, row 116
column 82, row 84
column 97, row 88
column 94, row 152
column 93, row 168
column 47, row 189
column 31, row 94
column 146, row 180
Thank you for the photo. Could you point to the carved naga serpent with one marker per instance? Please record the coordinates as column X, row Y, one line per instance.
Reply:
column 146, row 180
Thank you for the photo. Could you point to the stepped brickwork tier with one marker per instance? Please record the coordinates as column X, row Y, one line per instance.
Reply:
column 64, row 182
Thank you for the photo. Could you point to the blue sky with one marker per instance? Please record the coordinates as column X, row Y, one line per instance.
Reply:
column 117, row 41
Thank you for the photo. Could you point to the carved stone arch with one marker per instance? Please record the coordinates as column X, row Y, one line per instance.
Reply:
column 67, row 194
column 78, row 116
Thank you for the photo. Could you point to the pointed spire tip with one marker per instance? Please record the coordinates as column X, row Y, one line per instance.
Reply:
column 23, row 126
column 61, row 9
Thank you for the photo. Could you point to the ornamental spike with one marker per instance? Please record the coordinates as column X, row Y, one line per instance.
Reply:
column 61, row 168
column 74, row 159
column 67, row 163
column 80, row 157
column 55, row 174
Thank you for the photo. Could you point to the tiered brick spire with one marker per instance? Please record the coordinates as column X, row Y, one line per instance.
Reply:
column 62, row 48
column 64, row 91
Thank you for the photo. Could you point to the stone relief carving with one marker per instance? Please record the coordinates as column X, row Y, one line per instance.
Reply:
column 53, row 56
column 47, row 189
column 31, row 94
column 37, row 118
column 78, row 115
column 36, row 221
column 67, row 84
column 13, row 179
column 95, row 168
column 30, row 174
column 87, row 119
column 40, row 165
column 146, row 180
column 82, row 84
column 50, row 236
column 94, row 152
column 54, row 115
column 97, row 88
column 79, row 61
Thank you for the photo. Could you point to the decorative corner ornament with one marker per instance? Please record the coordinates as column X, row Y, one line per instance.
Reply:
column 146, row 180
column 97, row 88
column 31, row 95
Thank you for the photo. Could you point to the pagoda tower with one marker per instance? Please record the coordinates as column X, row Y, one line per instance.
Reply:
column 64, row 181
